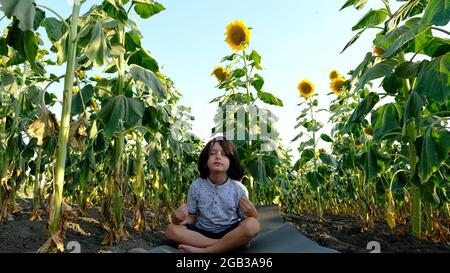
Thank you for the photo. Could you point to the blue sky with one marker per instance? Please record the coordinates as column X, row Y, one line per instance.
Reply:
column 297, row 40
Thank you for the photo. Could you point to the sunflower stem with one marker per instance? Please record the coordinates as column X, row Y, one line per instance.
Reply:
column 247, row 82
column 63, row 136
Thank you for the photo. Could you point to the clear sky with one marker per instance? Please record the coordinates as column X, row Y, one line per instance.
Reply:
column 297, row 39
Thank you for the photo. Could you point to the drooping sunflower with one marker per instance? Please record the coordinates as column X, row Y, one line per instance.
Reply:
column 334, row 74
column 237, row 35
column 221, row 73
column 306, row 88
column 336, row 85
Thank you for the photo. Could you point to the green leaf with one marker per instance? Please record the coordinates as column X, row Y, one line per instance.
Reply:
column 409, row 9
column 8, row 82
column 363, row 108
column 38, row 18
column 257, row 169
column 115, row 10
column 62, row 45
column 418, row 31
column 433, row 81
column 359, row 4
column 362, row 67
column 392, row 84
column 353, row 40
column 327, row 159
column 55, row 28
column 23, row 10
column 149, row 79
column 428, row 193
column 313, row 179
column 238, row 73
column 97, row 49
column 146, row 9
column 120, row 113
column 435, row 149
column 256, row 58
column 407, row 70
column 306, row 156
column 144, row 59
column 437, row 13
column 258, row 82
column 371, row 19
column 373, row 165
column 387, row 40
column 269, row 98
column 377, row 71
column 82, row 99
column 385, row 119
column 326, row 138
column 31, row 49
column 132, row 41
column 413, row 107
column 3, row 47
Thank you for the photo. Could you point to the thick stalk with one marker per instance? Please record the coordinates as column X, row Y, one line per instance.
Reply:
column 63, row 136
column 139, row 209
column 416, row 203
column 119, row 145
column 37, row 177
column 319, row 203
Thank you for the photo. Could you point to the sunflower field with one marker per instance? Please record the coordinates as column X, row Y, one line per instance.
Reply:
column 121, row 142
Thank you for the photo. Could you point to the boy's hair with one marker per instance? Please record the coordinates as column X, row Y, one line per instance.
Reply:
column 235, row 171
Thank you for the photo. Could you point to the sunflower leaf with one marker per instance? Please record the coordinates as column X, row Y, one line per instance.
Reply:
column 23, row 10
column 147, row 8
column 269, row 98
column 371, row 19
column 149, row 79
column 437, row 13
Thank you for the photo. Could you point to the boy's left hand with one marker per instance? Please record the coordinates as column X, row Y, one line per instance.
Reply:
column 247, row 207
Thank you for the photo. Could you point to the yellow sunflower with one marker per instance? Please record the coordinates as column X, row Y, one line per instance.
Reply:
column 334, row 74
column 221, row 73
column 75, row 90
column 306, row 88
column 336, row 85
column 237, row 35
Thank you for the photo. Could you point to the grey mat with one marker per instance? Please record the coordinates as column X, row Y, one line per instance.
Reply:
column 274, row 237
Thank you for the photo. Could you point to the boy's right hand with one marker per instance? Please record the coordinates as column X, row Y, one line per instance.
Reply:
column 180, row 214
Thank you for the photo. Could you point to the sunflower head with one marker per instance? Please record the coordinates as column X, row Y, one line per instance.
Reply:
column 94, row 105
column 368, row 131
column 378, row 51
column 98, row 77
column 221, row 73
column 75, row 90
column 359, row 144
column 306, row 88
column 336, row 85
column 237, row 35
column 333, row 74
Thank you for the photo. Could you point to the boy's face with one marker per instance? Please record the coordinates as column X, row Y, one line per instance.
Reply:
column 217, row 160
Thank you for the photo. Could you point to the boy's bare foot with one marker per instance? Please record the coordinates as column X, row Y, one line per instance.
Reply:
column 191, row 249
